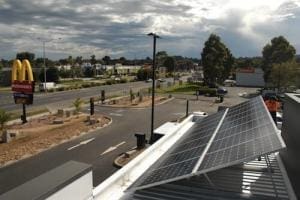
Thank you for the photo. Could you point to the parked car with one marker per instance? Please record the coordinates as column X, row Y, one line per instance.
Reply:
column 161, row 80
column 229, row 82
column 221, row 91
column 47, row 85
column 149, row 80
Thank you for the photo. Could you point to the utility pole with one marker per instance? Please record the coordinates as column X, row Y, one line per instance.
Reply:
column 153, row 84
column 44, row 57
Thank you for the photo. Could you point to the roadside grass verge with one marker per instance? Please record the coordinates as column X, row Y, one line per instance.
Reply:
column 185, row 88
column 5, row 89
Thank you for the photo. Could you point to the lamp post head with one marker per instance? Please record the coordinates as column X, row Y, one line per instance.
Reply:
column 153, row 34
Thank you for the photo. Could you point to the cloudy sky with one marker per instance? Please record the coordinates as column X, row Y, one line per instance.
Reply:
column 119, row 27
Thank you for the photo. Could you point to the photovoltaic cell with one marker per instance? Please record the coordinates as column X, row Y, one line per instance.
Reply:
column 181, row 159
column 239, row 134
column 246, row 132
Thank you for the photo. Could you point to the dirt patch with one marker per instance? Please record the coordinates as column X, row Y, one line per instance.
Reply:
column 137, row 102
column 40, row 134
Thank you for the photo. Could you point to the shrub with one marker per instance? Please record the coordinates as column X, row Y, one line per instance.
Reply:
column 123, row 80
column 108, row 82
column 51, row 90
column 4, row 117
column 61, row 89
column 207, row 91
column 86, row 85
column 78, row 104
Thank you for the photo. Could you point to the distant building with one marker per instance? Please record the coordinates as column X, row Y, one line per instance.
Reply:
column 250, row 76
column 122, row 69
column 65, row 67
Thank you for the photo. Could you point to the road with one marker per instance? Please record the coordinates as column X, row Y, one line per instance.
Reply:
column 61, row 99
column 126, row 122
column 94, row 148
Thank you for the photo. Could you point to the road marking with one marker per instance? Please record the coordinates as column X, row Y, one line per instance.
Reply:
column 110, row 149
column 116, row 114
column 178, row 113
column 119, row 111
column 81, row 143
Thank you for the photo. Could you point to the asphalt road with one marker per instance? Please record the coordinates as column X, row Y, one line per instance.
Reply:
column 61, row 99
column 126, row 122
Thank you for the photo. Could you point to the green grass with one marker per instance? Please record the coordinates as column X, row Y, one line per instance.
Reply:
column 185, row 88
column 5, row 89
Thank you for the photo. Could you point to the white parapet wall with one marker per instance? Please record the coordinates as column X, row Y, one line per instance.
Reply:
column 114, row 187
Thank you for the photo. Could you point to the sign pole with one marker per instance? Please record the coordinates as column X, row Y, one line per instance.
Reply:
column 23, row 117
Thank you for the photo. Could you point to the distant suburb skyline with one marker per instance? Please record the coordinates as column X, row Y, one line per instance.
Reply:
column 119, row 27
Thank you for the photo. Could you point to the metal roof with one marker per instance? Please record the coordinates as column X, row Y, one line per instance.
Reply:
column 252, row 180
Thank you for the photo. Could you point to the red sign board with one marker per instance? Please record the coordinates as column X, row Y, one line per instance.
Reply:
column 25, row 87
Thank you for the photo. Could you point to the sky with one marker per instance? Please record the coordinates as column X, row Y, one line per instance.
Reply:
column 120, row 27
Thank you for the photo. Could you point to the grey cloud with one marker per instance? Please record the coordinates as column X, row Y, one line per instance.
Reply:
column 112, row 26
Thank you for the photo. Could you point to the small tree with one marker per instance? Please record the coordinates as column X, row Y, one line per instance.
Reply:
column 131, row 95
column 78, row 105
column 284, row 74
column 4, row 117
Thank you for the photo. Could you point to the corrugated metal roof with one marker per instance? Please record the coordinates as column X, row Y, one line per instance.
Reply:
column 252, row 180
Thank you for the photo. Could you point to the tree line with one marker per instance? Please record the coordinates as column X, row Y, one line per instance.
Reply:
column 278, row 62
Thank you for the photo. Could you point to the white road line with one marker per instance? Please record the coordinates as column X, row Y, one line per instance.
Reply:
column 178, row 113
column 81, row 143
column 116, row 114
column 110, row 149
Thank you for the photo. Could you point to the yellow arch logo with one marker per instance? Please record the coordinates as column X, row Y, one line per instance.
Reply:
column 22, row 77
column 20, row 70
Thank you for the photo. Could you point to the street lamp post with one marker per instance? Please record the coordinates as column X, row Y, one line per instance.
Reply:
column 155, row 36
column 44, row 58
column 45, row 77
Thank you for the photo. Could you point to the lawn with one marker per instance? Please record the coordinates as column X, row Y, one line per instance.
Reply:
column 185, row 88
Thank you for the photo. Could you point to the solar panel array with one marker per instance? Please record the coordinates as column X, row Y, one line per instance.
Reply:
column 181, row 159
column 229, row 137
column 246, row 132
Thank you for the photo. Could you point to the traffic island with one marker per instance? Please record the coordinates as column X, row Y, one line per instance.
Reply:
column 42, row 133
column 137, row 102
column 126, row 157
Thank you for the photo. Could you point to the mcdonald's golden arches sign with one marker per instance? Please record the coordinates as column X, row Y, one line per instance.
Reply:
column 22, row 77
column 22, row 81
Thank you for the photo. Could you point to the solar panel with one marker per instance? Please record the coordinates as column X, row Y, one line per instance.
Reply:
column 182, row 157
column 228, row 137
column 246, row 132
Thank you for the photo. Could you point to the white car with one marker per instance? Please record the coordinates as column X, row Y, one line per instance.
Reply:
column 229, row 82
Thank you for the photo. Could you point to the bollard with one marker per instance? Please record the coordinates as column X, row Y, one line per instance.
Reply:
column 23, row 117
column 187, row 108
column 140, row 140
column 92, row 106
column 102, row 96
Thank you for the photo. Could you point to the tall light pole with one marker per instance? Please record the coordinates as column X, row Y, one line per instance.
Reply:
column 155, row 36
column 44, row 57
